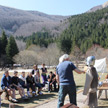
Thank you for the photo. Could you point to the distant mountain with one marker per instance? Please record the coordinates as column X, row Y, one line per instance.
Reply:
column 24, row 23
column 98, row 7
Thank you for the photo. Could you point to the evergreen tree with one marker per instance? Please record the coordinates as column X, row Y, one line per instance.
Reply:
column 4, row 43
column 65, row 44
column 11, row 49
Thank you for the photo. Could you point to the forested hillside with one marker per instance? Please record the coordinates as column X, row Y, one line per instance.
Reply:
column 42, row 39
column 85, row 30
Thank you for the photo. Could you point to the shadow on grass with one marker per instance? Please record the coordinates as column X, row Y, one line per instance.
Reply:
column 104, row 99
column 7, row 106
column 38, row 98
column 79, row 87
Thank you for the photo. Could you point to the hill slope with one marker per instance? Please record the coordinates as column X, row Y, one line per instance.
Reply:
column 19, row 22
column 85, row 30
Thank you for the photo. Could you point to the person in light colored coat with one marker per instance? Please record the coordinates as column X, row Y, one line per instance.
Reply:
column 91, row 83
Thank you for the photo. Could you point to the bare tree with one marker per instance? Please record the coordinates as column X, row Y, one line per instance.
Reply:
column 21, row 45
column 51, row 55
column 76, row 55
column 26, row 57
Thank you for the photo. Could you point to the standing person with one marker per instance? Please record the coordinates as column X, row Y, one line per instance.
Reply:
column 35, row 69
column 6, row 82
column 65, row 79
column 44, row 71
column 51, row 81
column 91, row 83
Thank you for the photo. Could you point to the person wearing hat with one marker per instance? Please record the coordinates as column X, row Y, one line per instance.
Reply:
column 91, row 83
column 65, row 78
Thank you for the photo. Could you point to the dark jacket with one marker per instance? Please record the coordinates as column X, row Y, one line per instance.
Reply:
column 22, row 80
column 30, row 80
column 15, row 80
column 5, row 82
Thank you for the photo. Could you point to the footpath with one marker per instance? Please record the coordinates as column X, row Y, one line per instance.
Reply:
column 102, row 102
column 53, row 103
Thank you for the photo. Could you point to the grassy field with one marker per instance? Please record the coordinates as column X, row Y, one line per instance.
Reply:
column 35, row 101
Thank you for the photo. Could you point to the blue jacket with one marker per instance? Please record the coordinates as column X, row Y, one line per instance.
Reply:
column 5, row 82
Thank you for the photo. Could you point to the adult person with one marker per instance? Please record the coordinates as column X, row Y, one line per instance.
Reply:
column 91, row 83
column 30, row 84
column 51, row 81
column 6, row 82
column 37, row 82
column 44, row 71
column 35, row 69
column 16, row 85
column 65, row 79
column 22, row 82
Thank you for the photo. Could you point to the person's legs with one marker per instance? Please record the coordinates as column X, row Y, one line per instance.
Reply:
column 33, row 87
column 20, row 91
column 23, row 92
column 8, row 93
column 28, row 93
column 54, row 83
column 39, row 87
column 48, row 86
column 13, row 93
column 28, row 86
column 72, row 94
column 62, row 94
column 43, row 79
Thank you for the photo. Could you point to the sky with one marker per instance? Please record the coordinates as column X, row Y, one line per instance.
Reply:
column 53, row 7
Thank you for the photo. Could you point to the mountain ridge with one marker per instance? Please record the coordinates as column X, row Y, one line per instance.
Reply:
column 95, row 8
column 20, row 22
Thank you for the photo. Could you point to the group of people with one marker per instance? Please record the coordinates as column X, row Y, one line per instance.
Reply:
column 30, row 82
column 63, row 77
